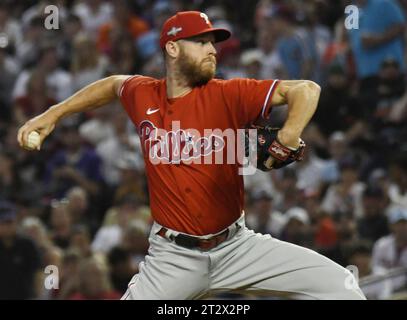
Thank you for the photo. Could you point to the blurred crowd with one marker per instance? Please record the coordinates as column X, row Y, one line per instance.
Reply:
column 81, row 203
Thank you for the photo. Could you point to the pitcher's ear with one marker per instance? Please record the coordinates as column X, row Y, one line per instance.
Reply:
column 172, row 48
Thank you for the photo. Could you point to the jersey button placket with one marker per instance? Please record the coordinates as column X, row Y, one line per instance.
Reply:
column 168, row 124
column 168, row 118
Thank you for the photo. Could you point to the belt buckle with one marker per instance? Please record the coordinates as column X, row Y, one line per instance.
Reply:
column 191, row 242
column 186, row 241
column 208, row 244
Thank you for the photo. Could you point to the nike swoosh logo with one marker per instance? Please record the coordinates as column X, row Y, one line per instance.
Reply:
column 149, row 111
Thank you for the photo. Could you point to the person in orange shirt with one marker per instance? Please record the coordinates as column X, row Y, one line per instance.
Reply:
column 123, row 22
column 198, row 242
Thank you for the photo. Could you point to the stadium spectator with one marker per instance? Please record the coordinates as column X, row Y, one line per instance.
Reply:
column 379, row 36
column 94, row 282
column 123, row 22
column 135, row 240
column 293, row 51
column 229, row 57
column 323, row 227
column 87, row 64
column 297, row 227
column 60, row 224
column 360, row 255
column 74, row 164
column 147, row 43
column 71, row 28
column 69, row 275
column 116, row 147
column 58, row 81
column 391, row 87
column 27, row 50
column 251, row 60
column 8, row 69
column 309, row 170
column 338, row 152
column 33, row 228
column 110, row 236
column 10, row 182
column 93, row 14
column 77, row 204
column 81, row 240
column 339, row 108
column 373, row 224
column 287, row 190
column 10, row 30
column 19, row 258
column 124, row 56
column 271, row 64
column 262, row 217
column 391, row 251
column 347, row 235
column 397, row 190
column 36, row 100
column 345, row 196
column 98, row 127
column 121, row 268
column 133, row 183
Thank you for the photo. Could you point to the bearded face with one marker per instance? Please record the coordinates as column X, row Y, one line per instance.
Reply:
column 197, row 72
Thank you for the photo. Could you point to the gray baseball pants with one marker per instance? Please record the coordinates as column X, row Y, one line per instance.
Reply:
column 247, row 262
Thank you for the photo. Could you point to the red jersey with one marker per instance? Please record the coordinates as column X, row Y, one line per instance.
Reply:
column 194, row 198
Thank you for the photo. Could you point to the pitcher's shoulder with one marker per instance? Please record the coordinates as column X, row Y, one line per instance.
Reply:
column 225, row 82
column 140, row 84
column 216, row 82
column 145, row 80
column 219, row 83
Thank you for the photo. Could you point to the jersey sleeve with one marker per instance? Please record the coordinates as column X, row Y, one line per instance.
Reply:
column 127, row 93
column 250, row 99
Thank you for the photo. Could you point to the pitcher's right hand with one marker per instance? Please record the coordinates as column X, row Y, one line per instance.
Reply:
column 44, row 124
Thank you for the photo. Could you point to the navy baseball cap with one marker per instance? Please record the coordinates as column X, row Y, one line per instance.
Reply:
column 7, row 211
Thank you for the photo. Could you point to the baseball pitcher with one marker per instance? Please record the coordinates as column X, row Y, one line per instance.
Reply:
column 199, row 244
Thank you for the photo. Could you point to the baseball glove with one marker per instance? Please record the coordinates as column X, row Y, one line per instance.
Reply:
column 271, row 154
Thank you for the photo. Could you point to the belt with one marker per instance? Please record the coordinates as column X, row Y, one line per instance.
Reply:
column 192, row 242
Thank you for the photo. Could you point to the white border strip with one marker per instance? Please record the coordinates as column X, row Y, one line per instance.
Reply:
column 268, row 97
column 124, row 83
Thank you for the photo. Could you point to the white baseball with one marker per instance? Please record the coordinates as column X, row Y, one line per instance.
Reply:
column 33, row 141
